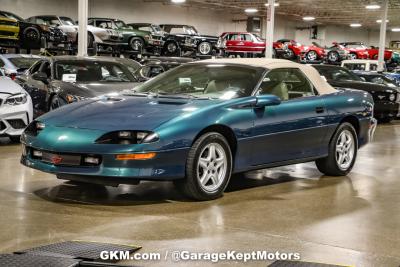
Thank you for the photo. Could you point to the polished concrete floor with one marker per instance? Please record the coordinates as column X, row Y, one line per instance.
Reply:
column 353, row 220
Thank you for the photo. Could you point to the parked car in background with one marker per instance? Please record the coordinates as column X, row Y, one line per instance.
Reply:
column 189, row 39
column 155, row 31
column 336, row 53
column 133, row 39
column 15, row 108
column 57, row 81
column 373, row 53
column 386, row 98
column 70, row 28
column 357, row 50
column 292, row 48
column 30, row 34
column 312, row 53
column 9, row 32
column 240, row 43
column 378, row 78
column 15, row 65
column 202, row 122
column 154, row 66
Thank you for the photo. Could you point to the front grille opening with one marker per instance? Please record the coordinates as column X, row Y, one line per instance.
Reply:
column 65, row 159
column 17, row 124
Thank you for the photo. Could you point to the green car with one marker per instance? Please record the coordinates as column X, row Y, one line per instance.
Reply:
column 133, row 39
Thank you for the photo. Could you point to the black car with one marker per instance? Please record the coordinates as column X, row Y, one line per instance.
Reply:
column 30, row 34
column 386, row 98
column 62, row 80
column 187, row 38
column 154, row 66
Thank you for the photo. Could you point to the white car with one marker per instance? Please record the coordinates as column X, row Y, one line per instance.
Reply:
column 361, row 65
column 16, row 110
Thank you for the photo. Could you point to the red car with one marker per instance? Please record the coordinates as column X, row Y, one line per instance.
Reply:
column 245, row 42
column 357, row 50
column 373, row 53
column 296, row 50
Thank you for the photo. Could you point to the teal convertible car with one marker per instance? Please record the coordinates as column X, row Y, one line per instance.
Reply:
column 200, row 122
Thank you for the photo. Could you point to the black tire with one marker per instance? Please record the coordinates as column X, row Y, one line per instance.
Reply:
column 15, row 139
column 333, row 57
column 190, row 186
column 204, row 48
column 56, row 102
column 171, row 49
column 90, row 41
column 31, row 35
column 136, row 43
column 289, row 54
column 329, row 165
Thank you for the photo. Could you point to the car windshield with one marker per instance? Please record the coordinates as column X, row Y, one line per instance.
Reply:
column 259, row 39
column 120, row 24
column 92, row 71
column 67, row 21
column 205, row 81
column 356, row 46
column 156, row 28
column 338, row 74
column 23, row 63
column 11, row 16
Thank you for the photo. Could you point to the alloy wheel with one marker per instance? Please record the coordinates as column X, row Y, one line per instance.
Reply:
column 171, row 47
column 345, row 150
column 333, row 57
column 312, row 56
column 204, row 48
column 212, row 167
column 136, row 44
column 353, row 56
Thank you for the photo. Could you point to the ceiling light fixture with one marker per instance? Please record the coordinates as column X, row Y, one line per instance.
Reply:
column 396, row 30
column 380, row 21
column 308, row 18
column 178, row 1
column 276, row 4
column 373, row 7
column 355, row 25
column 251, row 10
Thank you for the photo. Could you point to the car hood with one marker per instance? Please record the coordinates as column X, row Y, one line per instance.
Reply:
column 365, row 86
column 122, row 113
column 8, row 86
column 93, row 89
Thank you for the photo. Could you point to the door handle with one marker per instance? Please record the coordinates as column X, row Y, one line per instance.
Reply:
column 319, row 109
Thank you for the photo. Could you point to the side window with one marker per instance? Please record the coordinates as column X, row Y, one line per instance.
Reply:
column 233, row 37
column 246, row 37
column 91, row 22
column 45, row 68
column 286, row 84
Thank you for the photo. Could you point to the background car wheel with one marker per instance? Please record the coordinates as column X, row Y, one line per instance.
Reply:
column 90, row 40
column 204, row 48
column 136, row 44
column 289, row 54
column 333, row 57
column 56, row 102
column 15, row 139
column 353, row 56
column 31, row 35
column 312, row 56
column 342, row 152
column 170, row 49
column 208, row 168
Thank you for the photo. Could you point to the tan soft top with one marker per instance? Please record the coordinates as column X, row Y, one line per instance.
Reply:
column 321, row 85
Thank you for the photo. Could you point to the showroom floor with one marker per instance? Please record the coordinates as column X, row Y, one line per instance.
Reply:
column 352, row 220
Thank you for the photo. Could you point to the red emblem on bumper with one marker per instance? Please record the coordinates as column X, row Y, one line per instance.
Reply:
column 56, row 159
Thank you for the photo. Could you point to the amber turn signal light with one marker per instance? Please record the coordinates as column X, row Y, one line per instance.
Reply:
column 141, row 156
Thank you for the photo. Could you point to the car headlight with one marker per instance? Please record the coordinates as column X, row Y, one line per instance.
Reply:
column 17, row 99
column 74, row 98
column 392, row 97
column 128, row 137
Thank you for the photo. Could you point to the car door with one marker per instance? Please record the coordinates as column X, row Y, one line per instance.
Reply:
column 232, row 42
column 248, row 44
column 295, row 128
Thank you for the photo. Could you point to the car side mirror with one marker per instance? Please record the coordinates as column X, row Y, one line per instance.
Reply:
column 40, row 76
column 267, row 100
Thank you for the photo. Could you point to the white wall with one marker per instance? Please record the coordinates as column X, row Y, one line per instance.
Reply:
column 207, row 21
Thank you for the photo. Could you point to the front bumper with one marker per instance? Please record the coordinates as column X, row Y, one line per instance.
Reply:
column 166, row 165
column 14, row 119
column 386, row 109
